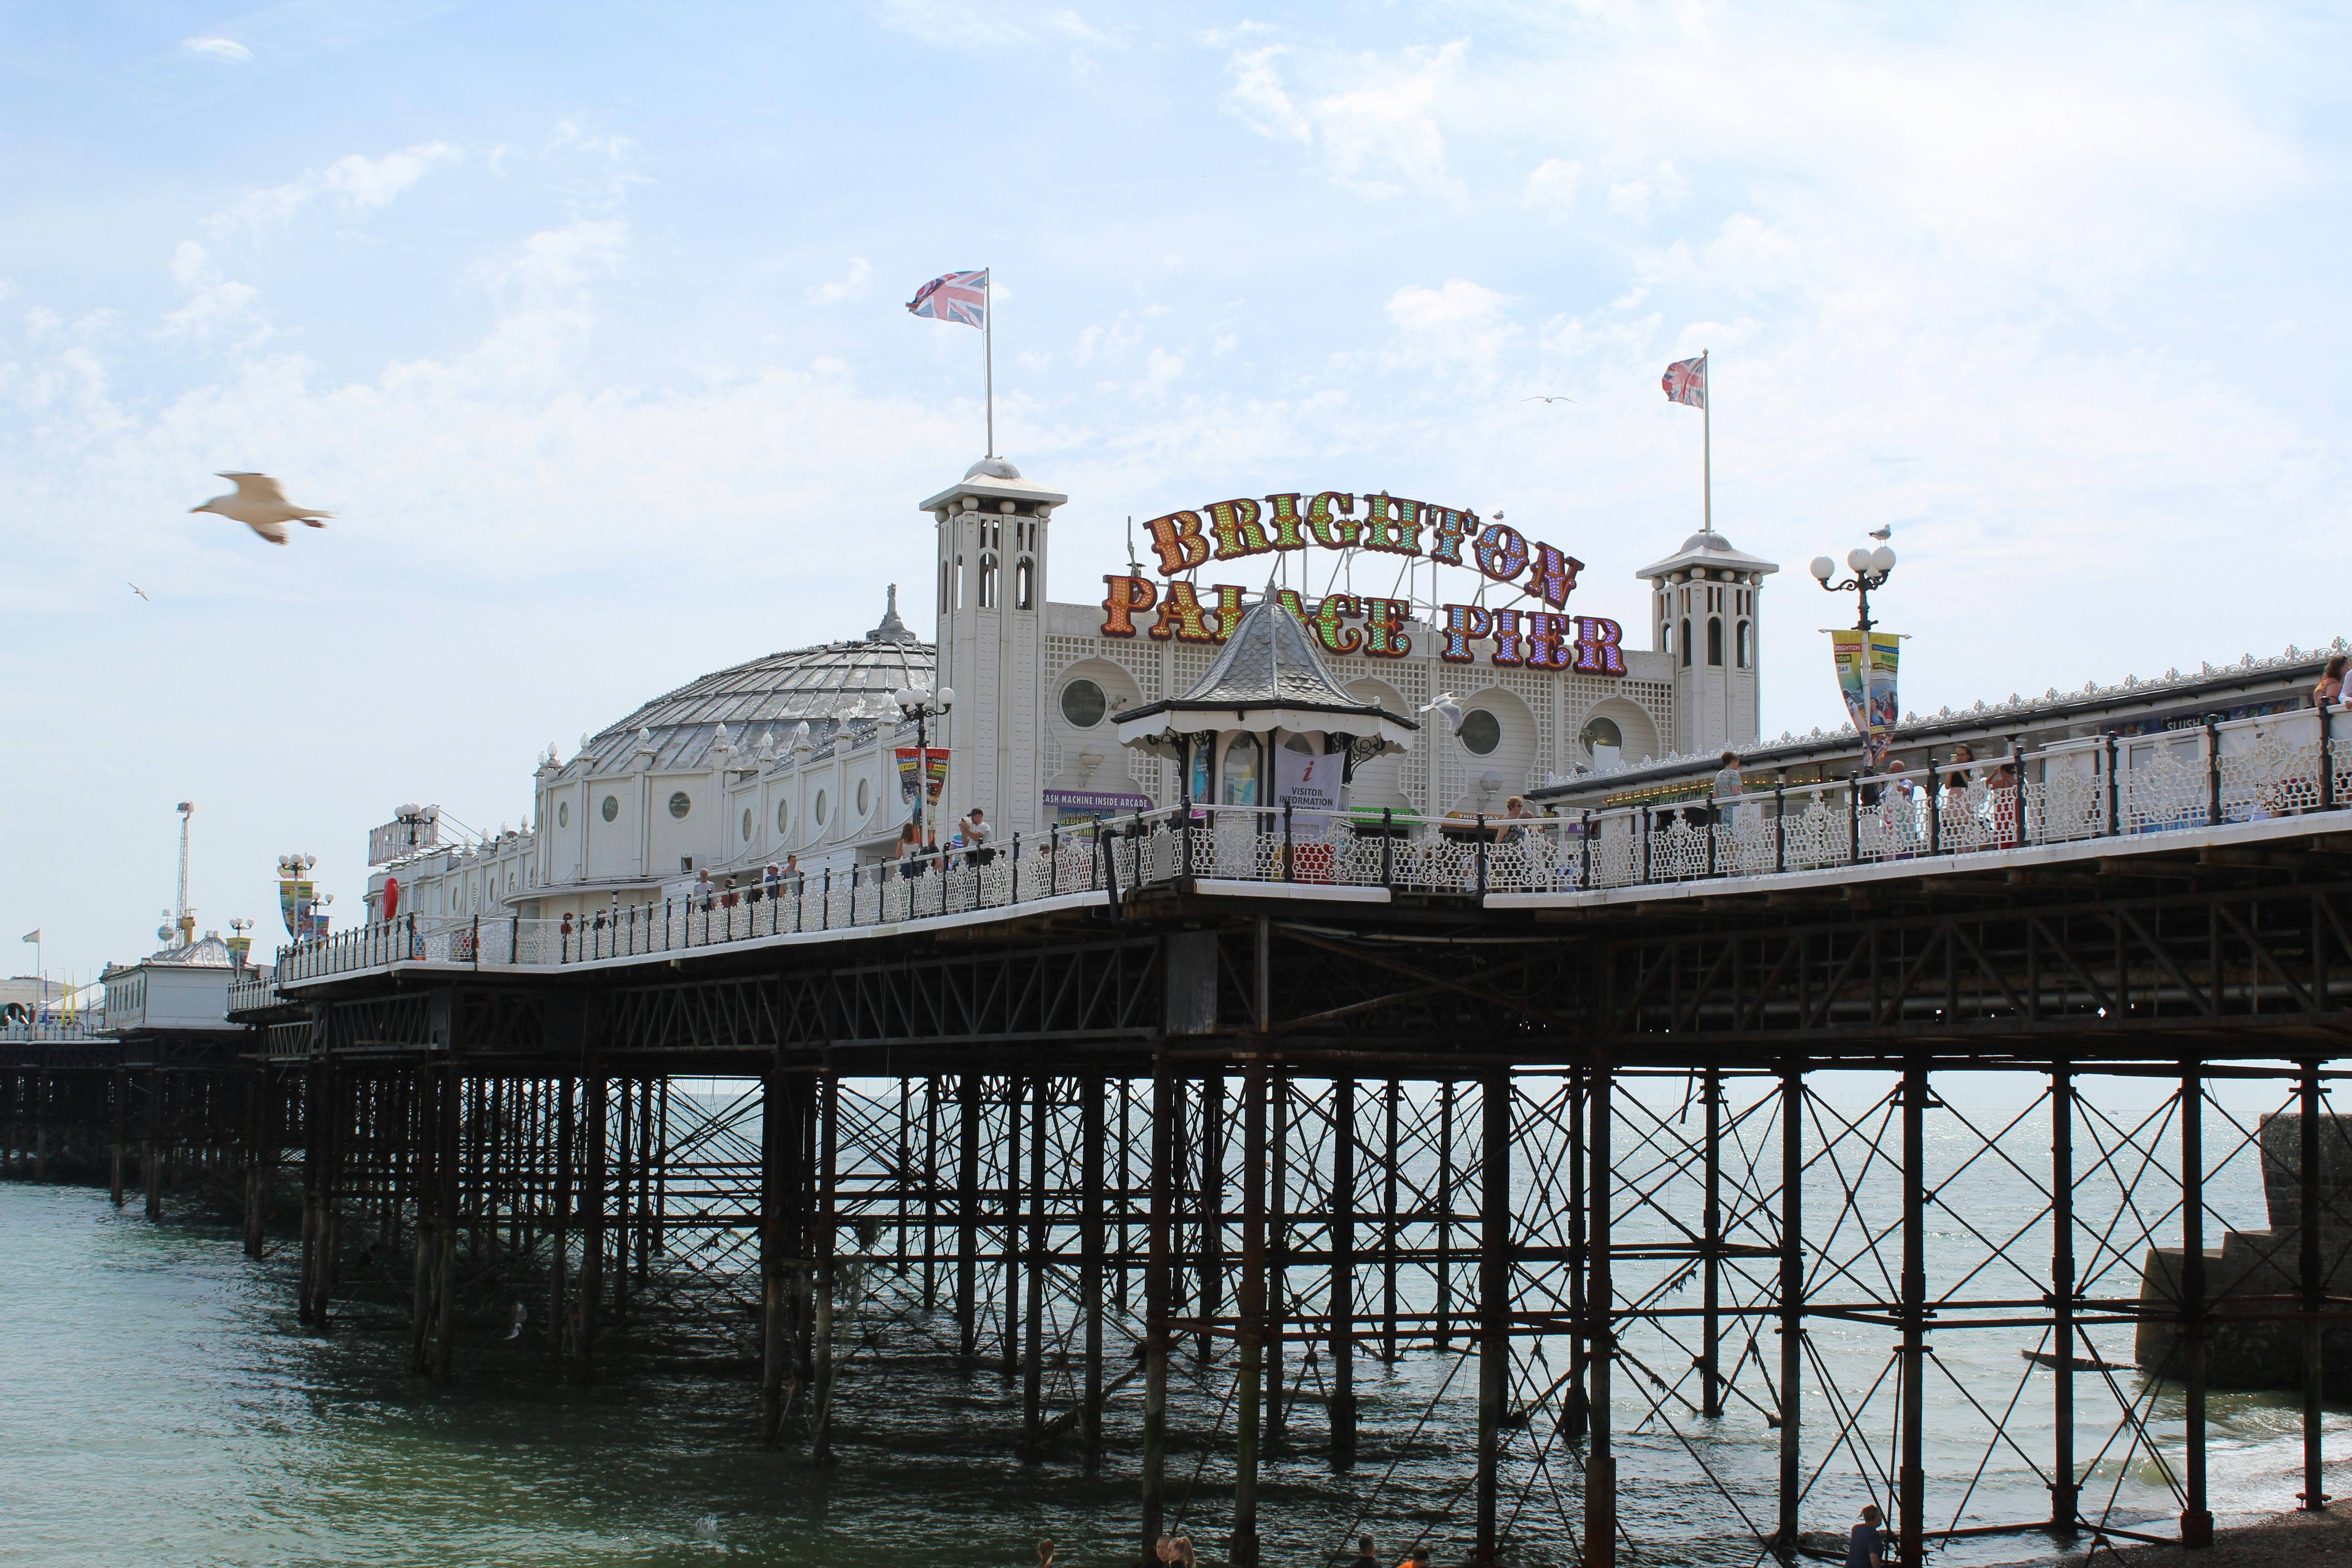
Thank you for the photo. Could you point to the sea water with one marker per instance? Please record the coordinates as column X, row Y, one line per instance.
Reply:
column 160, row 1405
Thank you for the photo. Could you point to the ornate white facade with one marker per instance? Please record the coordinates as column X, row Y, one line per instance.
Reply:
column 790, row 758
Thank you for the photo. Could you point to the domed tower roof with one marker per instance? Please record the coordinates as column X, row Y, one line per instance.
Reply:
column 826, row 687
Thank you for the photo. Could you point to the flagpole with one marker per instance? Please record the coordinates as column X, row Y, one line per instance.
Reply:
column 988, row 354
column 1707, row 446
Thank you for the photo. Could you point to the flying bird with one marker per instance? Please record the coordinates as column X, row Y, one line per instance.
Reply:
column 1542, row 397
column 1446, row 707
column 1882, row 534
column 141, row 591
column 259, row 502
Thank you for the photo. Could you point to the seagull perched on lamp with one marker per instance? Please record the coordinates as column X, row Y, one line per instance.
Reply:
column 1883, row 534
column 259, row 502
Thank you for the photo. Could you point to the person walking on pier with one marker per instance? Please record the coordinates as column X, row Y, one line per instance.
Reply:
column 1863, row 1549
column 976, row 834
column 909, row 852
column 1728, row 788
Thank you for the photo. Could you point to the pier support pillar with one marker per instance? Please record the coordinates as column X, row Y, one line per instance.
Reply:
column 1710, row 1341
column 2196, row 1513
column 2314, row 1280
column 1494, row 1264
column 1033, row 1361
column 967, row 1213
column 1091, row 1090
column 1911, row 1476
column 1600, row 1334
column 594, row 1099
column 1158, row 1269
column 120, row 1084
column 1342, row 1292
column 1793, row 1306
column 1250, row 1320
column 827, row 1233
column 2065, row 1494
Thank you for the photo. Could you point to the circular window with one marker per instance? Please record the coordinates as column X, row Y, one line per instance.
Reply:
column 783, row 813
column 680, row 805
column 1083, row 704
column 563, row 814
column 746, row 823
column 1481, row 731
column 1600, row 732
column 820, row 808
column 864, row 797
column 612, row 807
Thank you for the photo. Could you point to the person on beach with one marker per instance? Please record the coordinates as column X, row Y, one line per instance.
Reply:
column 1364, row 1557
column 1045, row 1553
column 1863, row 1549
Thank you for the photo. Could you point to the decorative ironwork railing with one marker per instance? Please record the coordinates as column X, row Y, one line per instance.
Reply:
column 2098, row 787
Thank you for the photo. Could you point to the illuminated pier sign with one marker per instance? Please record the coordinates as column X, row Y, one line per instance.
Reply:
column 1239, row 529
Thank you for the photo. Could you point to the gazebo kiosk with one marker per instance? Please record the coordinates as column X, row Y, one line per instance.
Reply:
column 1266, row 727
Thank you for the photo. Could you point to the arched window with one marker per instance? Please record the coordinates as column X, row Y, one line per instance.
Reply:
column 1746, row 644
column 1665, row 636
column 1241, row 771
column 1715, row 639
column 988, row 582
column 1025, row 585
column 1686, row 642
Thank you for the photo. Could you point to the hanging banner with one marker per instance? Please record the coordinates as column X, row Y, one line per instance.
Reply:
column 1866, row 671
column 923, row 770
column 294, row 904
column 1886, row 649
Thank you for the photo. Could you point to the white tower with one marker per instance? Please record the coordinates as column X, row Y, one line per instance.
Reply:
column 991, row 599
column 1702, row 611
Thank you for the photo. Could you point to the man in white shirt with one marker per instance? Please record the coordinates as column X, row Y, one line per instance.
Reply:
column 976, row 836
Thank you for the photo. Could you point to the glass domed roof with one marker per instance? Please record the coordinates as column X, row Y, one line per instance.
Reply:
column 827, row 686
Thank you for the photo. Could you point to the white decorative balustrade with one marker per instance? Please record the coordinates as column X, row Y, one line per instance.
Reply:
column 2073, row 792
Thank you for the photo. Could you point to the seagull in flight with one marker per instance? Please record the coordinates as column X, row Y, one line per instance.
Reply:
column 141, row 591
column 1445, row 706
column 1542, row 397
column 259, row 502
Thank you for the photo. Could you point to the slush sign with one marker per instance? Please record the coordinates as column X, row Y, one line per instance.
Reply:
column 1392, row 525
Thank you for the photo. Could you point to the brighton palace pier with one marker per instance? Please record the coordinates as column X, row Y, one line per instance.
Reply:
column 1261, row 1052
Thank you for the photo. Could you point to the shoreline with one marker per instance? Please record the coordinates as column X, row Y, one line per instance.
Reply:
column 2283, row 1541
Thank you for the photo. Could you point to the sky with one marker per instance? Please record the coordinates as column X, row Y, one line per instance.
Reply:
column 586, row 320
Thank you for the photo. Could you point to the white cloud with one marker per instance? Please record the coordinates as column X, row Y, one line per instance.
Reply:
column 1257, row 96
column 1551, row 187
column 1459, row 327
column 853, row 286
column 225, row 49
column 1383, row 134
column 356, row 181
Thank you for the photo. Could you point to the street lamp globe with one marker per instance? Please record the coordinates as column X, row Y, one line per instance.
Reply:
column 905, row 698
column 1858, row 559
column 1825, row 568
column 946, row 697
column 1882, row 560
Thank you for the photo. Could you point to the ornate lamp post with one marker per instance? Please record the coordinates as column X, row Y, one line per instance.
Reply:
column 917, row 703
column 1871, row 569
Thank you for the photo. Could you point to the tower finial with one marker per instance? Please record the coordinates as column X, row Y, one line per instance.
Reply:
column 892, row 628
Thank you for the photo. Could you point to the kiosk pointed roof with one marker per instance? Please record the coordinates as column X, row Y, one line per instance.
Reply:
column 1268, row 676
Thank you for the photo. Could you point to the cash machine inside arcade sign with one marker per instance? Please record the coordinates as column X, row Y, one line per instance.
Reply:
column 1346, row 624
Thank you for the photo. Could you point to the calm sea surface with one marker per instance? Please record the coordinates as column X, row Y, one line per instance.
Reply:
column 159, row 1406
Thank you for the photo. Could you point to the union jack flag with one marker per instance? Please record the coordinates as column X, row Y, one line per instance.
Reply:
column 1685, row 381
column 954, row 296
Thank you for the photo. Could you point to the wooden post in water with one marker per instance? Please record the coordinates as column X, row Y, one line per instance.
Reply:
column 559, row 1265
column 448, row 1173
column 1009, row 1232
column 775, row 1307
column 1277, row 1250
column 421, row 1128
column 121, row 1108
column 1791, row 1488
column 259, row 1158
column 1710, row 1345
column 1212, row 1211
column 930, row 1193
column 1389, row 1223
column 151, row 1157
